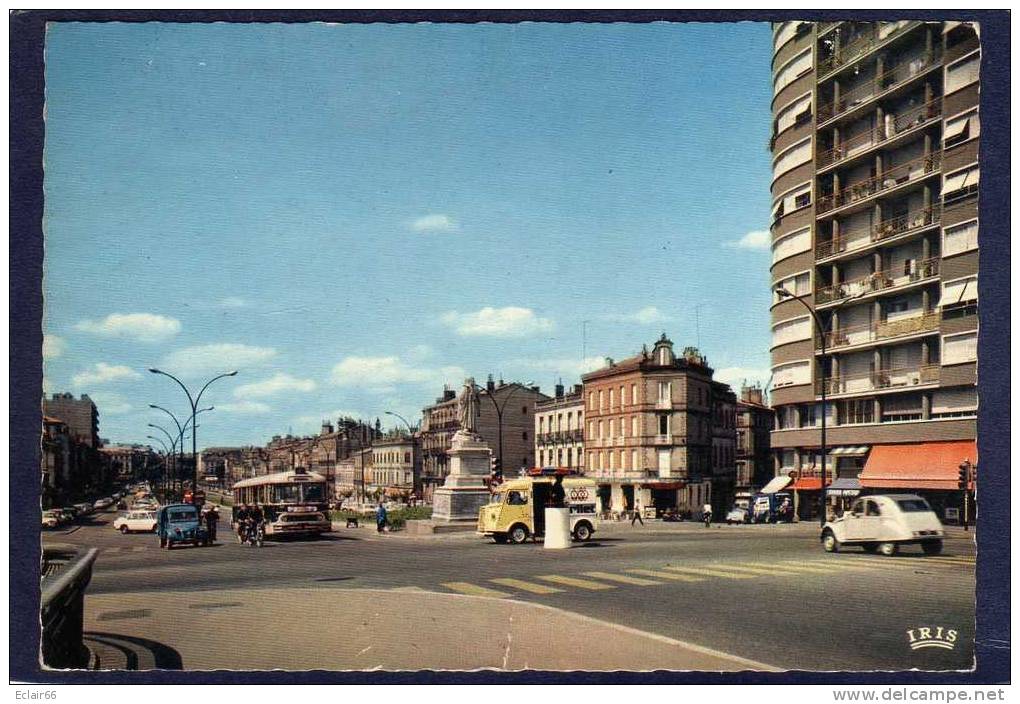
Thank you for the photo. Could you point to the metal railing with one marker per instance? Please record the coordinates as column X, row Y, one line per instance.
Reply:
column 879, row 280
column 873, row 332
column 880, row 379
column 861, row 45
column 909, row 119
column 67, row 572
column 892, row 227
column 891, row 78
column 891, row 178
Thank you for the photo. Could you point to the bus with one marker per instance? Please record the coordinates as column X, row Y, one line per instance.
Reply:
column 294, row 503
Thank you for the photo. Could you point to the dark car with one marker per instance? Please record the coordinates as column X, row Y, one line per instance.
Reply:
column 180, row 524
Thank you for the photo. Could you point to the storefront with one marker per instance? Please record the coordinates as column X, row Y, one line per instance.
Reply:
column 931, row 470
column 841, row 494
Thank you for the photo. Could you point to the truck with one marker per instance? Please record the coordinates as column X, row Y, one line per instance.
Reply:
column 516, row 509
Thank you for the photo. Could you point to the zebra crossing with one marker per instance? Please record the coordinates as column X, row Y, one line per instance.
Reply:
column 123, row 550
column 598, row 580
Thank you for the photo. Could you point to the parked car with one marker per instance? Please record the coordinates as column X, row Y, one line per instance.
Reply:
column 84, row 509
column 179, row 523
column 51, row 519
column 737, row 515
column 70, row 512
column 132, row 521
column 882, row 523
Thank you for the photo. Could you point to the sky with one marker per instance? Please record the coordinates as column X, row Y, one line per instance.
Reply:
column 353, row 215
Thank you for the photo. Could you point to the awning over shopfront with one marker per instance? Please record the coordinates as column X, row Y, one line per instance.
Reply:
column 665, row 485
column 844, row 486
column 932, row 465
column 776, row 484
column 850, row 451
column 807, row 484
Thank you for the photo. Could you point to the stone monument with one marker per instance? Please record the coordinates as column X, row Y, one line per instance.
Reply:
column 464, row 491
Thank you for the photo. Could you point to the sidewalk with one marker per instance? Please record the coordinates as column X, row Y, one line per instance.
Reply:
column 340, row 629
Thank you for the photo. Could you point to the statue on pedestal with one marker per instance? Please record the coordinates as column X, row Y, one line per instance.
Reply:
column 468, row 407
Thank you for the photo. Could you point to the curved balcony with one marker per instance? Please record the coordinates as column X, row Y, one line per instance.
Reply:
column 869, row 40
column 878, row 282
column 859, row 145
column 891, row 79
column 901, row 378
column 862, row 335
column 895, row 177
column 886, row 229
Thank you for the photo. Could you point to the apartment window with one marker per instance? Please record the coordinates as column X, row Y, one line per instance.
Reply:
column 612, row 460
column 959, row 291
column 901, row 407
column 959, row 238
column 664, row 391
column 794, row 113
column 802, row 199
column 787, row 31
column 524, row 435
column 634, row 426
column 961, row 128
column 962, row 73
column 600, row 429
column 799, row 285
column 633, row 393
column 623, row 399
column 664, row 424
column 788, row 460
column 591, row 429
column 959, row 349
column 541, row 424
column 591, row 401
column 792, row 70
column 791, row 331
column 791, row 374
column 634, row 460
column 602, row 400
column 954, row 403
column 791, row 158
column 809, row 415
column 791, row 244
column 610, row 429
column 959, row 184
column 855, row 411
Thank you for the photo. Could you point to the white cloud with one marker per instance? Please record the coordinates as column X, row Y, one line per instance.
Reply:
column 273, row 385
column 510, row 321
column 645, row 316
column 381, row 373
column 53, row 346
column 103, row 373
column 434, row 222
column 755, row 239
column 110, row 404
column 232, row 302
column 143, row 327
column 243, row 407
column 735, row 376
column 216, row 358
column 567, row 368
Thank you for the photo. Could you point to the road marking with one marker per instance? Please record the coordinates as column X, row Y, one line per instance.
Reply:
column 793, row 568
column 622, row 578
column 407, row 589
column 912, row 562
column 828, row 565
column 667, row 575
column 763, row 571
column 526, row 586
column 474, row 589
column 708, row 572
column 574, row 582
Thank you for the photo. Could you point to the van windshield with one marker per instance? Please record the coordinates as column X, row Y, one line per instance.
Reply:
column 913, row 505
column 182, row 516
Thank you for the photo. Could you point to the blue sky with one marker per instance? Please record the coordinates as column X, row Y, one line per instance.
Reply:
column 352, row 215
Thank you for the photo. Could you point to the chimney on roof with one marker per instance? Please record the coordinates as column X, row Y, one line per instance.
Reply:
column 578, row 388
column 490, row 385
column 537, row 389
column 752, row 394
column 559, row 390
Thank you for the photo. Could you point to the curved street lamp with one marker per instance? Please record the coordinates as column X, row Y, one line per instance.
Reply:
column 499, row 413
column 784, row 294
column 193, row 401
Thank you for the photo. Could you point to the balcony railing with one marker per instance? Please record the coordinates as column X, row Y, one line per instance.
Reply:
column 909, row 119
column 861, row 45
column 878, row 281
column 896, row 176
column 892, row 227
column 891, row 78
column 874, row 332
column 880, row 379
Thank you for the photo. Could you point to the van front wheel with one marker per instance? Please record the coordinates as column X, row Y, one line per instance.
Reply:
column 518, row 534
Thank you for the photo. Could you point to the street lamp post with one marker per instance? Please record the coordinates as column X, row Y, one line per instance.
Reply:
column 166, row 455
column 783, row 294
column 411, row 431
column 194, row 411
column 173, row 450
column 499, row 416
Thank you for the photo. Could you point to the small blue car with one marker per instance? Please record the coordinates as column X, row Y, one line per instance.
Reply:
column 180, row 523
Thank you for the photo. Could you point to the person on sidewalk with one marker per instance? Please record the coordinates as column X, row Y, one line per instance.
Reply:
column 706, row 514
column 636, row 515
column 380, row 518
column 212, row 517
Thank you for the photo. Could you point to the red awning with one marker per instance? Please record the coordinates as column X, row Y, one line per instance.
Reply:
column 806, row 484
column 929, row 465
column 665, row 485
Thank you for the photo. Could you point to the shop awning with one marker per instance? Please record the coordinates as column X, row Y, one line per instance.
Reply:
column 851, row 450
column 807, row 484
column 776, row 484
column 665, row 485
column 930, row 465
column 844, row 486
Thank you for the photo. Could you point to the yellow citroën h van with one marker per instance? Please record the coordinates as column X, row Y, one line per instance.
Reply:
column 516, row 510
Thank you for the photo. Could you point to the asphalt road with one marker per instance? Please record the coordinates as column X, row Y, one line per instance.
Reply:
column 766, row 593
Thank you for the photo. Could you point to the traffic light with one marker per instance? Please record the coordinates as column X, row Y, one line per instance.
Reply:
column 964, row 476
column 497, row 470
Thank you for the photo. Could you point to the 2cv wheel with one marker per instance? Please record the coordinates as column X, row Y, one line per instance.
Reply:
column 829, row 542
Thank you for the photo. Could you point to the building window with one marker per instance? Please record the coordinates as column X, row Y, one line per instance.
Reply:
column 663, row 424
column 634, row 426
column 793, row 374
column 791, row 244
column 623, row 399
column 808, row 415
column 610, row 429
column 524, row 435
column 855, row 411
column 960, row 184
column 601, row 428
column 954, row 403
column 524, row 410
column 798, row 285
column 591, row 401
column 792, row 331
column 962, row 73
column 602, row 400
column 961, row 128
column 793, row 113
column 611, row 404
column 792, row 70
column 791, row 158
column 786, row 417
column 633, row 393
column 959, row 291
column 959, row 349
column 959, row 238
column 664, row 391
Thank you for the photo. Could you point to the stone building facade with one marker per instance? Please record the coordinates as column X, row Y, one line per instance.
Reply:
column 559, row 429
column 754, row 453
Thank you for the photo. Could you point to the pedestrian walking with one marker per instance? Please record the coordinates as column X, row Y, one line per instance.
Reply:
column 380, row 518
column 212, row 517
column 636, row 514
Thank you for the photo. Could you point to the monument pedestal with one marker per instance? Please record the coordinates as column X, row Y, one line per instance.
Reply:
column 464, row 491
